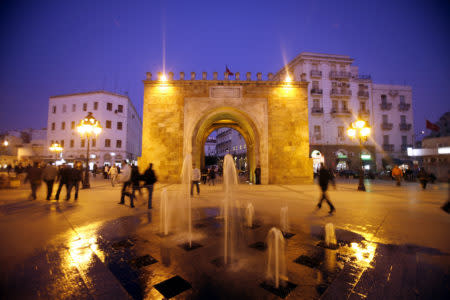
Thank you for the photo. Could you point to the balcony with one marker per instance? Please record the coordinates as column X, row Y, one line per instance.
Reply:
column 386, row 106
column 405, row 126
column 363, row 94
column 386, row 126
column 340, row 75
column 317, row 110
column 405, row 147
column 340, row 112
column 364, row 112
column 404, row 106
column 388, row 147
column 316, row 74
column 315, row 91
column 340, row 93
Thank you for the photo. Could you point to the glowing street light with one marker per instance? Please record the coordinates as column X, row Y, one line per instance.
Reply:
column 88, row 127
column 5, row 143
column 56, row 148
column 358, row 129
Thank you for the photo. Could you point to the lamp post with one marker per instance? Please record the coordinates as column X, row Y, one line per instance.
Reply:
column 56, row 148
column 358, row 129
column 88, row 127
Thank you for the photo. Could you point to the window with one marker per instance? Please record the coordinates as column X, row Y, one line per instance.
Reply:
column 403, row 119
column 315, row 67
column 341, row 132
column 402, row 99
column 62, row 143
column 72, row 125
column 362, row 105
column 386, row 139
column 72, row 143
column 333, row 67
column 315, row 85
column 383, row 99
column 82, row 143
column 316, row 103
column 74, row 107
column 84, row 106
column 119, row 125
column 94, row 142
column 108, row 124
column 107, row 143
column 53, row 126
column 344, row 106
column 118, row 144
column 404, row 140
column 63, row 125
column 120, row 108
column 108, row 106
column 335, row 105
column 51, row 142
column 95, row 105
column 385, row 119
column 317, row 133
column 64, row 108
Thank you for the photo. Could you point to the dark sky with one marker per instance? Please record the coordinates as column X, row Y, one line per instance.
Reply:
column 55, row 47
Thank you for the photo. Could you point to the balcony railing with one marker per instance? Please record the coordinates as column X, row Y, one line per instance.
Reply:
column 315, row 91
column 340, row 93
column 405, row 126
column 340, row 112
column 363, row 94
column 405, row 147
column 364, row 112
column 386, row 106
column 316, row 74
column 386, row 126
column 364, row 77
column 340, row 75
column 404, row 106
column 388, row 147
column 317, row 110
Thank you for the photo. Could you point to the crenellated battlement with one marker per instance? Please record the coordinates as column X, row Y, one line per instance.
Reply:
column 226, row 77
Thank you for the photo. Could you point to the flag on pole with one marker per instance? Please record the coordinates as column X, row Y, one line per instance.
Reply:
column 432, row 126
column 228, row 71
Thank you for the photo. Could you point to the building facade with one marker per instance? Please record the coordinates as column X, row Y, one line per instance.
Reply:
column 337, row 96
column 210, row 147
column 121, row 134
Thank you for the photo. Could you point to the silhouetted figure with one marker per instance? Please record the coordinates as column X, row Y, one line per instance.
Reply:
column 150, row 179
column 34, row 176
column 258, row 174
column 65, row 177
column 397, row 174
column 325, row 176
column 423, row 177
column 49, row 175
column 211, row 176
column 125, row 178
column 204, row 175
column 77, row 175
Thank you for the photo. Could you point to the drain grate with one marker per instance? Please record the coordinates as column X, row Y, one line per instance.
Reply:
column 142, row 261
column 312, row 262
column 282, row 291
column 191, row 247
column 261, row 246
column 172, row 287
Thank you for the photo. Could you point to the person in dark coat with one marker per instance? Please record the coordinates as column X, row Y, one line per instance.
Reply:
column 423, row 177
column 49, row 175
column 34, row 176
column 150, row 179
column 211, row 176
column 258, row 174
column 77, row 175
column 325, row 176
column 65, row 177
column 135, row 183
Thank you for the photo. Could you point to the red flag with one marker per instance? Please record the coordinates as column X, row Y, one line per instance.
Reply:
column 432, row 126
column 228, row 71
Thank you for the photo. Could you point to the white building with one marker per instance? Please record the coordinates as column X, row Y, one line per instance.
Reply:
column 229, row 141
column 210, row 147
column 122, row 127
column 337, row 96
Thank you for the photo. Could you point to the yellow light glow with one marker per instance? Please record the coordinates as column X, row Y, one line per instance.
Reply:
column 364, row 254
column 365, row 131
column 359, row 124
column 288, row 79
column 5, row 143
column 56, row 147
column 89, row 126
column 351, row 132
column 163, row 78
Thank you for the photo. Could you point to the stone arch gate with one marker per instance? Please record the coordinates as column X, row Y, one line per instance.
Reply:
column 272, row 116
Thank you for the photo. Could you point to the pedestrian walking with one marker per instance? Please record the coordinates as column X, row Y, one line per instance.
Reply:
column 65, row 177
column 105, row 172
column 77, row 176
column 125, row 178
column 423, row 178
column 94, row 170
column 49, row 175
column 204, row 175
column 113, row 173
column 149, row 180
column 325, row 176
column 397, row 174
column 135, row 179
column 211, row 176
column 195, row 179
column 258, row 174
column 34, row 176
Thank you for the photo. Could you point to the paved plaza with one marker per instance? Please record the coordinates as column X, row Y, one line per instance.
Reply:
column 393, row 244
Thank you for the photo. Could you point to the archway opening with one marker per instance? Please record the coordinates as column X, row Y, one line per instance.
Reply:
column 220, row 142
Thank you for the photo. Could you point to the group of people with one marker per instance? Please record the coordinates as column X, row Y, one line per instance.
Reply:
column 67, row 176
column 209, row 175
column 423, row 176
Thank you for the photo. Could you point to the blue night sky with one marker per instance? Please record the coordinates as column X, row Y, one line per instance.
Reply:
column 56, row 47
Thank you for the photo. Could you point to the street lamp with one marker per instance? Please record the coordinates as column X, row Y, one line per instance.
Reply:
column 358, row 129
column 56, row 148
column 88, row 127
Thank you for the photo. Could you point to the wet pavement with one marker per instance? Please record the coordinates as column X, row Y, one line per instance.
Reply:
column 393, row 243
